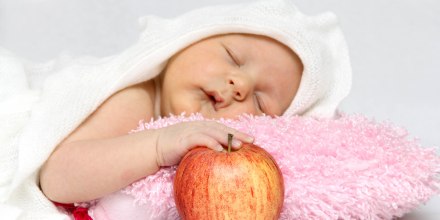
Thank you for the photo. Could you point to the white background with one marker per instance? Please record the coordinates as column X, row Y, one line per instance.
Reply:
column 394, row 47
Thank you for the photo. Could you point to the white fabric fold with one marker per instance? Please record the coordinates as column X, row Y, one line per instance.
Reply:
column 40, row 104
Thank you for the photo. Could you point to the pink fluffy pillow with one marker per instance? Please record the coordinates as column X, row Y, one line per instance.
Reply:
column 348, row 168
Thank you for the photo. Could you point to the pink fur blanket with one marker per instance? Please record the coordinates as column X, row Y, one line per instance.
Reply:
column 346, row 168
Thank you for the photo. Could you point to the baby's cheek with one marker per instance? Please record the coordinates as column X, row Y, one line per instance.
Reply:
column 236, row 110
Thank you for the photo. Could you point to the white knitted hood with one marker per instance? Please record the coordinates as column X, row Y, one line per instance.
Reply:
column 317, row 40
column 55, row 97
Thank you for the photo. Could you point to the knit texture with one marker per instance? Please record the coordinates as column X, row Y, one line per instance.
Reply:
column 55, row 97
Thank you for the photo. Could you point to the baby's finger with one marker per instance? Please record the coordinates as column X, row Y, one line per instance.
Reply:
column 221, row 131
column 238, row 135
column 203, row 140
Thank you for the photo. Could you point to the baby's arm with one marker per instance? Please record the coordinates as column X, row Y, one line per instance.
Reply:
column 99, row 157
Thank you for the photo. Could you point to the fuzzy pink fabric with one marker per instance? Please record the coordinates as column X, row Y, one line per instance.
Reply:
column 346, row 168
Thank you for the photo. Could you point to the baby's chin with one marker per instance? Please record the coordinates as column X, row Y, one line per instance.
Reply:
column 218, row 115
column 187, row 110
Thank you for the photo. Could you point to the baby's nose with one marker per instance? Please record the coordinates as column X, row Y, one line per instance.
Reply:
column 240, row 88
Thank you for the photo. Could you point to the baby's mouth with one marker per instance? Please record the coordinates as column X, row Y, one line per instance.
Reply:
column 214, row 97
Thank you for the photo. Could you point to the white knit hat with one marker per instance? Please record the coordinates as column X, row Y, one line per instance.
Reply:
column 317, row 40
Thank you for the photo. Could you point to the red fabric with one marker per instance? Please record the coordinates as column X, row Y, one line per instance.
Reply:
column 78, row 212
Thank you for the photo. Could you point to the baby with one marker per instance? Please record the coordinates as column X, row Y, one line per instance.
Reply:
column 69, row 141
column 221, row 76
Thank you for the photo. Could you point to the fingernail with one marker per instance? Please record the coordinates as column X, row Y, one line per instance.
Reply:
column 236, row 143
column 219, row 147
column 250, row 139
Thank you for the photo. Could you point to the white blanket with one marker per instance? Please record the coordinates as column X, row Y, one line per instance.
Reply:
column 40, row 104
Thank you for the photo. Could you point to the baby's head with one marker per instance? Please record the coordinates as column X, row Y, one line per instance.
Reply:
column 262, row 57
column 228, row 75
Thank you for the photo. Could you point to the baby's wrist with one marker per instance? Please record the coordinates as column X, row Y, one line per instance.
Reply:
column 148, row 152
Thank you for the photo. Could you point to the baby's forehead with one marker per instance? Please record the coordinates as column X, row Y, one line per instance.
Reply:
column 255, row 43
column 245, row 37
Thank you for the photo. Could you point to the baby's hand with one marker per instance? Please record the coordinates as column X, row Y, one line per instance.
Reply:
column 174, row 141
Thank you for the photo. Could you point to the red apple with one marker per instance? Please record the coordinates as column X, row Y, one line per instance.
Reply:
column 242, row 184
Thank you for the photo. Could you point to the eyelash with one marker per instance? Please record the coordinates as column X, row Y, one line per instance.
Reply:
column 257, row 98
column 236, row 61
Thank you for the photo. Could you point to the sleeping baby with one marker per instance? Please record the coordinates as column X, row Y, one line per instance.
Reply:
column 221, row 77
column 260, row 58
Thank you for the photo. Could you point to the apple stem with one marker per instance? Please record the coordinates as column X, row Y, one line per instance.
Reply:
column 229, row 142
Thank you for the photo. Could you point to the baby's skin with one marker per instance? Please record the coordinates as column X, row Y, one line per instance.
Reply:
column 221, row 76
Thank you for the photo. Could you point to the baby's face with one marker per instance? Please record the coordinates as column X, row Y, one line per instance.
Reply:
column 227, row 75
